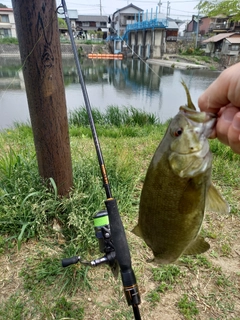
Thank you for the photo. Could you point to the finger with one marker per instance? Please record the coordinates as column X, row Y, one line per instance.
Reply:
column 214, row 97
column 224, row 122
column 234, row 134
column 223, row 90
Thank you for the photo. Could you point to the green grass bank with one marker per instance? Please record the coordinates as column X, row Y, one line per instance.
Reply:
column 38, row 229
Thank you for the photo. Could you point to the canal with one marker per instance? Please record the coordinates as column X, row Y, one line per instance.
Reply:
column 151, row 88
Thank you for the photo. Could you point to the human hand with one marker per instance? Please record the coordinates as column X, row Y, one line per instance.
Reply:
column 223, row 98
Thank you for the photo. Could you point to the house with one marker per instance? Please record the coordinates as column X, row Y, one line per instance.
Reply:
column 73, row 16
column 171, row 30
column 87, row 23
column 191, row 27
column 207, row 25
column 231, row 45
column 7, row 23
column 125, row 16
column 223, row 43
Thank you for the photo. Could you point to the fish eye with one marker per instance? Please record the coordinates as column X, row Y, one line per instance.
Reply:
column 178, row 132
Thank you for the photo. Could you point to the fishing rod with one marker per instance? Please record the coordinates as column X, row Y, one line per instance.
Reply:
column 108, row 225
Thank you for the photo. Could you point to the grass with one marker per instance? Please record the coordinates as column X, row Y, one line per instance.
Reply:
column 38, row 229
column 187, row 307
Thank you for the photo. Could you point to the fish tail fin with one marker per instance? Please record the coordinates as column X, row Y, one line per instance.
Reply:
column 137, row 231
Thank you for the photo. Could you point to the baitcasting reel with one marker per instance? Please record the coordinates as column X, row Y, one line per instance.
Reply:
column 103, row 234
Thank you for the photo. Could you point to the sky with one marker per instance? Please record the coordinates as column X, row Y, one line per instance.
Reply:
column 181, row 9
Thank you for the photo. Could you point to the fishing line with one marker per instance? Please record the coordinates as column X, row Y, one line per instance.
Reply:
column 121, row 251
column 30, row 53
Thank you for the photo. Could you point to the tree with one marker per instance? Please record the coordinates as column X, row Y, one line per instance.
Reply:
column 62, row 23
column 39, row 44
column 214, row 8
column 2, row 5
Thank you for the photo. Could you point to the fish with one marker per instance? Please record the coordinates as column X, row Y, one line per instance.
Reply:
column 178, row 189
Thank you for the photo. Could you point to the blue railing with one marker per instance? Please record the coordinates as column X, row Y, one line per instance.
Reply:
column 146, row 24
column 143, row 25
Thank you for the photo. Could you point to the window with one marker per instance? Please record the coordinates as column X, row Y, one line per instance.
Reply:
column 234, row 47
column 85, row 24
column 4, row 33
column 103, row 24
column 4, row 18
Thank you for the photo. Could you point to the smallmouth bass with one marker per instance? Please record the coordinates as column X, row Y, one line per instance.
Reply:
column 178, row 189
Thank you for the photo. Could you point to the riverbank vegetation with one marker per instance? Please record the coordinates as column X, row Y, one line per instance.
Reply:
column 38, row 229
column 196, row 56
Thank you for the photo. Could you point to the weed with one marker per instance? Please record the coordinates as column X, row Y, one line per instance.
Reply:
column 226, row 249
column 153, row 297
column 167, row 276
column 187, row 307
column 213, row 68
column 195, row 262
column 223, row 281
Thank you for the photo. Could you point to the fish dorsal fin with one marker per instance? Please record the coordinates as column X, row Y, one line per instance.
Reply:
column 190, row 104
column 215, row 202
column 197, row 247
column 137, row 231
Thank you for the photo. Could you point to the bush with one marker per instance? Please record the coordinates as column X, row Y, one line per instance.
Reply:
column 9, row 40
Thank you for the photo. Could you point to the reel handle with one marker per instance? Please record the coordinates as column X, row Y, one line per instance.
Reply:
column 68, row 261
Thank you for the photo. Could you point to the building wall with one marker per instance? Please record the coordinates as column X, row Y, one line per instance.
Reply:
column 121, row 20
column 8, row 25
column 190, row 26
column 204, row 25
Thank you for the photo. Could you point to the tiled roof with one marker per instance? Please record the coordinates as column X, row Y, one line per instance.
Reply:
column 218, row 37
column 95, row 18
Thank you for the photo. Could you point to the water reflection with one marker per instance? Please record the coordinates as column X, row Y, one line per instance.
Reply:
column 152, row 88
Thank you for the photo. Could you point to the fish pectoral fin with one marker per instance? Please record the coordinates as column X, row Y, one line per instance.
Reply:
column 215, row 201
column 197, row 247
column 137, row 231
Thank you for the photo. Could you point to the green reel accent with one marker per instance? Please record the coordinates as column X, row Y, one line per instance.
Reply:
column 101, row 219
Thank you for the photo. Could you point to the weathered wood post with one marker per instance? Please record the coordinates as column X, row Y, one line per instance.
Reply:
column 38, row 35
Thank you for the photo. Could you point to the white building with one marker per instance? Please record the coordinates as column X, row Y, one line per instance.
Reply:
column 125, row 16
column 7, row 23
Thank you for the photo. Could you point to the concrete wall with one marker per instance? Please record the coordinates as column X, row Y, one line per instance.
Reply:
column 9, row 50
column 226, row 60
column 146, row 43
column 13, row 49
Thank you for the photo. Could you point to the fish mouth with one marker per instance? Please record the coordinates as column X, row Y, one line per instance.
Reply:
column 203, row 122
column 197, row 116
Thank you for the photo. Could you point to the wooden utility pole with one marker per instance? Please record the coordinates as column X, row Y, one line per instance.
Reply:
column 38, row 36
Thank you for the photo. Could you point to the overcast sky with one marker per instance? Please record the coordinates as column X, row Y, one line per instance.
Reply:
column 182, row 9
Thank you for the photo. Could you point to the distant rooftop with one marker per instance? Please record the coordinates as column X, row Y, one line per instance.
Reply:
column 73, row 14
column 86, row 18
column 219, row 37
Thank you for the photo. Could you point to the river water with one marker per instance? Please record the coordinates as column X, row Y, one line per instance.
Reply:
column 151, row 88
